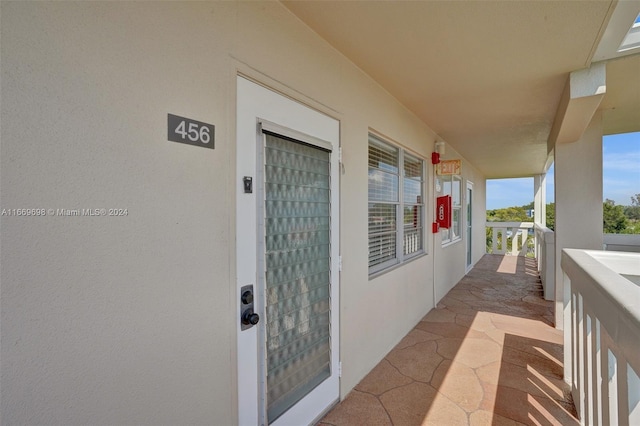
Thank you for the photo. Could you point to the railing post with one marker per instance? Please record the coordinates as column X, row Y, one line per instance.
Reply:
column 504, row 241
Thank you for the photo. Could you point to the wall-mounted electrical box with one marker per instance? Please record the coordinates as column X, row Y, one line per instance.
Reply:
column 443, row 211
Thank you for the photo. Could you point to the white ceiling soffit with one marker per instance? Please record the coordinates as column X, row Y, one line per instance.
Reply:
column 486, row 76
column 621, row 104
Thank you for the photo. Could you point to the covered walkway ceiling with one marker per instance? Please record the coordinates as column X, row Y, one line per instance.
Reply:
column 486, row 76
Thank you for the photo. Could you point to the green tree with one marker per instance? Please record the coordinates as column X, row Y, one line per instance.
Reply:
column 551, row 216
column 633, row 211
column 528, row 206
column 519, row 214
column 508, row 214
column 614, row 220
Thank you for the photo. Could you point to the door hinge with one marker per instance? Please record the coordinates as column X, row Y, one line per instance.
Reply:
column 340, row 154
column 339, row 368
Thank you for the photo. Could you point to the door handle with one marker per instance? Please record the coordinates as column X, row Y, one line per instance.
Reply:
column 248, row 318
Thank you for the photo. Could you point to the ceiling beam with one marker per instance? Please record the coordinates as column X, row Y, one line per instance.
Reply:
column 581, row 97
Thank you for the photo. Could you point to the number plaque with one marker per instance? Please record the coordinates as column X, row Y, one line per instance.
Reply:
column 192, row 132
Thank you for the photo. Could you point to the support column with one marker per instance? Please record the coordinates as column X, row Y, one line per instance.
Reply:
column 576, row 138
column 578, row 200
column 578, row 187
column 540, row 199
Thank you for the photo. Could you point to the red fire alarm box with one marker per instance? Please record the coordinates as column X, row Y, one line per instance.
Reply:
column 443, row 211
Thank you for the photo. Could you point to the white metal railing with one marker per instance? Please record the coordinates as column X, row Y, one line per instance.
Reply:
column 602, row 343
column 511, row 238
column 545, row 254
column 622, row 242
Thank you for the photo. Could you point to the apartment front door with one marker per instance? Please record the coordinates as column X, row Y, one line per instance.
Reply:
column 469, row 230
column 287, row 259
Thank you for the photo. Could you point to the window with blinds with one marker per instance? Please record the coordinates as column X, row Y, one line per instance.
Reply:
column 396, row 209
column 452, row 185
column 412, row 198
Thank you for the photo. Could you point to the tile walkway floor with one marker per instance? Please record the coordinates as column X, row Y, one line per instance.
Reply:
column 486, row 355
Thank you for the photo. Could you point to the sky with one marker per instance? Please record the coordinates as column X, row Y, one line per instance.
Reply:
column 620, row 170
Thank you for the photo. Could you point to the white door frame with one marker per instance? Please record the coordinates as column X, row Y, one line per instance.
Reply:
column 468, row 259
column 255, row 103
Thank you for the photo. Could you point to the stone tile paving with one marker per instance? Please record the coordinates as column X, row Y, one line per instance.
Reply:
column 486, row 355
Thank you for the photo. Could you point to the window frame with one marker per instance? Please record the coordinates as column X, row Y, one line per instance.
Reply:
column 400, row 204
column 445, row 233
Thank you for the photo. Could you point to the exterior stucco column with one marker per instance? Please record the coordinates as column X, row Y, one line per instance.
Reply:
column 540, row 199
column 578, row 201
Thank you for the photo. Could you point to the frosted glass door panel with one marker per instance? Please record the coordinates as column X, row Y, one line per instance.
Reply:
column 297, row 270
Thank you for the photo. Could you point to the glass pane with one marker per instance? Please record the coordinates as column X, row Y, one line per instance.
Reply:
column 383, row 186
column 446, row 234
column 455, row 223
column 412, row 238
column 412, row 191
column 456, row 190
column 297, row 271
column 412, row 241
column 382, row 248
column 382, row 156
column 446, row 185
column 412, row 216
column 469, row 223
column 382, row 218
column 412, row 167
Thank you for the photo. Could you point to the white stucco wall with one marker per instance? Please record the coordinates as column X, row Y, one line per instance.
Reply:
column 123, row 320
column 115, row 320
column 450, row 258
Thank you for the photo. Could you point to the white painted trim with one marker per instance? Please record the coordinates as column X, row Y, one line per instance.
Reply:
column 450, row 241
column 256, row 103
column 293, row 134
column 621, row 16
